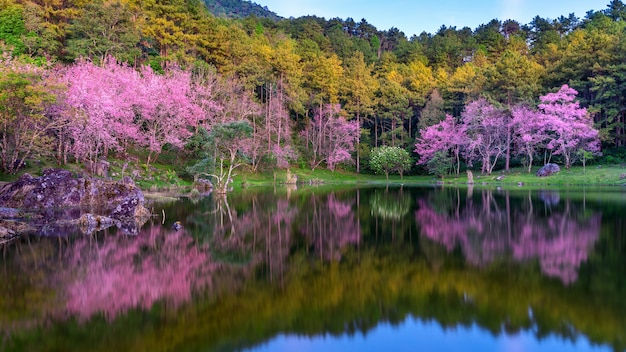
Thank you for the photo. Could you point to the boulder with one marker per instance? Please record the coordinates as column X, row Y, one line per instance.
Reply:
column 58, row 195
column 548, row 169
column 57, row 189
column 9, row 213
column 203, row 185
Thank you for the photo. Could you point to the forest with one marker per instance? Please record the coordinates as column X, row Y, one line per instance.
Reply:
column 85, row 81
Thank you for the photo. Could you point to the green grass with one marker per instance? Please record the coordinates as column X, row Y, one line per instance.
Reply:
column 164, row 175
column 595, row 175
column 603, row 175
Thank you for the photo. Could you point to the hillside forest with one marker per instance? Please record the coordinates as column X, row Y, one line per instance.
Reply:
column 85, row 81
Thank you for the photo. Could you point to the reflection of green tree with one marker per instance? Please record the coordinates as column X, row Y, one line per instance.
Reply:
column 390, row 204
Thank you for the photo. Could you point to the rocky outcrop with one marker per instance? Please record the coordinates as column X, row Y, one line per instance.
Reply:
column 58, row 195
column 548, row 169
column 203, row 185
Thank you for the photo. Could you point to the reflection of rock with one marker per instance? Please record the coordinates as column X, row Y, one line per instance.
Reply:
column 548, row 169
column 550, row 198
column 10, row 229
column 57, row 194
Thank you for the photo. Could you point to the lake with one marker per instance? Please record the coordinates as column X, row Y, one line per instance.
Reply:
column 331, row 268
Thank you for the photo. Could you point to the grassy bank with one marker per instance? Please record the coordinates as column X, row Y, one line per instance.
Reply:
column 164, row 177
column 604, row 175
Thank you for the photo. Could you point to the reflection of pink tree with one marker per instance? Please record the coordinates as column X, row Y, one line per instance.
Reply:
column 262, row 234
column 560, row 242
column 331, row 226
column 467, row 232
column 129, row 272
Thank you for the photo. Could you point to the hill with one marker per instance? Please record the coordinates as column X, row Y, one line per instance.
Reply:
column 239, row 9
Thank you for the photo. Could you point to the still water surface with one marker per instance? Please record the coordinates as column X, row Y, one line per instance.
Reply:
column 332, row 269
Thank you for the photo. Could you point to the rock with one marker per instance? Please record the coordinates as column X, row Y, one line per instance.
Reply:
column 6, row 233
column 500, row 178
column 59, row 195
column 203, row 185
column 548, row 169
column 59, row 189
column 292, row 179
column 9, row 213
column 622, row 176
column 177, row 226
column 127, row 180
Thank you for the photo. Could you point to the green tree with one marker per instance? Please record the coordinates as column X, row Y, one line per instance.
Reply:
column 24, row 95
column 440, row 164
column 514, row 78
column 227, row 144
column 358, row 92
column 388, row 159
column 12, row 27
column 105, row 29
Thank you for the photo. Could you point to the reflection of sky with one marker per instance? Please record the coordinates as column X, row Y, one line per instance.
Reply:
column 415, row 335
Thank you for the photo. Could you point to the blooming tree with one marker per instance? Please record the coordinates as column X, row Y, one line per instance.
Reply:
column 530, row 131
column 115, row 105
column 167, row 109
column 487, row 132
column 330, row 137
column 388, row 159
column 572, row 128
column 102, row 99
column 447, row 136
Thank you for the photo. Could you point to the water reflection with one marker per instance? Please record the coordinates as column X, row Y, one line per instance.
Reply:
column 258, row 264
column 559, row 236
column 330, row 226
column 125, row 273
column 390, row 204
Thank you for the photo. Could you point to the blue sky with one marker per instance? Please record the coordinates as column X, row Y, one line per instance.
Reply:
column 416, row 16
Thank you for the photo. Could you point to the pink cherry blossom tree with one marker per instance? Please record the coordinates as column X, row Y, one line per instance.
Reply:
column 114, row 105
column 572, row 127
column 331, row 137
column 101, row 100
column 487, row 131
column 167, row 109
column 447, row 136
column 530, row 132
